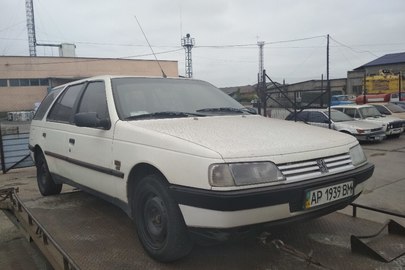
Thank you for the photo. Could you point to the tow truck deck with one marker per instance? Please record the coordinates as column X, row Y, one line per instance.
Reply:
column 75, row 230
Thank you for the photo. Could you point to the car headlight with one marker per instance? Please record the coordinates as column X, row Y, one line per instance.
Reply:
column 357, row 155
column 363, row 131
column 240, row 174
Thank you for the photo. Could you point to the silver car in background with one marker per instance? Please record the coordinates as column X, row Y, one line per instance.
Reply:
column 362, row 130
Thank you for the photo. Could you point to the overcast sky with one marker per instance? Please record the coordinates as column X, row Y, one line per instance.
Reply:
column 225, row 31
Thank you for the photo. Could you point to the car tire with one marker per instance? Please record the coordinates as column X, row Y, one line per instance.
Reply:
column 46, row 184
column 159, row 222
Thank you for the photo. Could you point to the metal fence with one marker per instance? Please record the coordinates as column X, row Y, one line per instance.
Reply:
column 14, row 152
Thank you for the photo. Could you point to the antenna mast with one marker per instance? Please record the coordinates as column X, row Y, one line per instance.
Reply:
column 32, row 42
column 188, row 43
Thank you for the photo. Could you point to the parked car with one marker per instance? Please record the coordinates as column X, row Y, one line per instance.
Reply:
column 399, row 103
column 179, row 156
column 340, row 100
column 362, row 130
column 393, row 126
column 390, row 108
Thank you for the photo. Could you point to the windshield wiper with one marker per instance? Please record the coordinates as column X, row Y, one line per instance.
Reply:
column 227, row 110
column 166, row 114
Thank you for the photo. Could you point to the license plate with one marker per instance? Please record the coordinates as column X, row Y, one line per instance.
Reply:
column 320, row 196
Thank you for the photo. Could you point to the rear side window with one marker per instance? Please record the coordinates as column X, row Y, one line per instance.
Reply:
column 46, row 103
column 94, row 100
column 62, row 110
column 317, row 117
column 301, row 116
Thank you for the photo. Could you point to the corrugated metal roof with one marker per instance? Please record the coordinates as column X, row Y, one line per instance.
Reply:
column 393, row 58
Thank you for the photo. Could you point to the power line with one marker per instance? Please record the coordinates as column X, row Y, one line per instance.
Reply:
column 353, row 49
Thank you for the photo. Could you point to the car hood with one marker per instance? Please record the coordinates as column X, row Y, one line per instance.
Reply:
column 248, row 136
column 384, row 119
column 359, row 124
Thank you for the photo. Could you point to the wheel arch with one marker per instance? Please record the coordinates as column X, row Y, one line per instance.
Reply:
column 37, row 151
column 138, row 172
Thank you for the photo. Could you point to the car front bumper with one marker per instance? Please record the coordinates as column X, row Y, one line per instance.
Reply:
column 280, row 203
column 372, row 137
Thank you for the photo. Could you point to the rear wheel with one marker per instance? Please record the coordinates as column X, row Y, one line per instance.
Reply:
column 46, row 184
column 159, row 222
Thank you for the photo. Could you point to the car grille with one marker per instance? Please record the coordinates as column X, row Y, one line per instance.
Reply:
column 396, row 124
column 308, row 169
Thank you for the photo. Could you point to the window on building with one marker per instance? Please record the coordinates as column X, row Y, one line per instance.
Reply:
column 34, row 82
column 43, row 82
column 24, row 82
column 14, row 82
column 3, row 83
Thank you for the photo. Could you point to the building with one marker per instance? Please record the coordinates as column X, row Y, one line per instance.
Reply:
column 390, row 63
column 25, row 80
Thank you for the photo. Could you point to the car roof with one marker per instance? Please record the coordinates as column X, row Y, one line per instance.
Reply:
column 356, row 106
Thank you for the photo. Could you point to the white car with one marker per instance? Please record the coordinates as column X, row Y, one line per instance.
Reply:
column 180, row 156
column 362, row 130
column 393, row 126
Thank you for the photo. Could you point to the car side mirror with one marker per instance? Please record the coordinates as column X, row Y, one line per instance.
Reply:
column 90, row 119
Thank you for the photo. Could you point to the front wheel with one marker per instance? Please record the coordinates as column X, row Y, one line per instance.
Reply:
column 159, row 222
column 46, row 184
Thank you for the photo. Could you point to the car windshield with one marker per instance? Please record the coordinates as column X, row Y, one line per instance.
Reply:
column 338, row 116
column 369, row 112
column 342, row 98
column 141, row 98
column 394, row 108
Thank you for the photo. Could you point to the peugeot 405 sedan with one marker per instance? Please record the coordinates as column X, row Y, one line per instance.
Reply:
column 179, row 156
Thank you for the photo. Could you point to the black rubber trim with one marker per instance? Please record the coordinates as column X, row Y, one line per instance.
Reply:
column 226, row 234
column 123, row 205
column 292, row 193
column 31, row 148
column 87, row 165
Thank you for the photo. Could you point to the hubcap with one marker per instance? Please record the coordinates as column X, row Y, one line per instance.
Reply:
column 155, row 219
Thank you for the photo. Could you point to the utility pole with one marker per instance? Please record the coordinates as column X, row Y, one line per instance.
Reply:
column 32, row 42
column 327, row 79
column 261, row 80
column 188, row 43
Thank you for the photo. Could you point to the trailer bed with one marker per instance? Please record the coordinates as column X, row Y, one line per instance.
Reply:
column 80, row 231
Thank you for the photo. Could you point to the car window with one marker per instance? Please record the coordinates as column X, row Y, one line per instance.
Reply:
column 94, row 100
column 369, row 112
column 62, row 110
column 382, row 109
column 394, row 108
column 338, row 116
column 317, row 117
column 46, row 103
column 301, row 116
column 351, row 112
column 137, row 96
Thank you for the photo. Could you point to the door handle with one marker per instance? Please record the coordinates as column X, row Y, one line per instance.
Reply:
column 72, row 141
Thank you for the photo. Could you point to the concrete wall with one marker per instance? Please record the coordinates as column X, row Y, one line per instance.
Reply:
column 66, row 69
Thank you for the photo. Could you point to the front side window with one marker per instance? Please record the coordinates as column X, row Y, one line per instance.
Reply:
column 370, row 112
column 94, row 100
column 382, row 109
column 62, row 110
column 338, row 116
column 351, row 112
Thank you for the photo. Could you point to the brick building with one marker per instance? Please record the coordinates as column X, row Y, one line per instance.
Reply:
column 25, row 80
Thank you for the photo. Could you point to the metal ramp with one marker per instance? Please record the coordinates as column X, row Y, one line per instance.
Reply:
column 79, row 231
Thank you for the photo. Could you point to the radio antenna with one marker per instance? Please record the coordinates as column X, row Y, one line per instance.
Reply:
column 161, row 69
